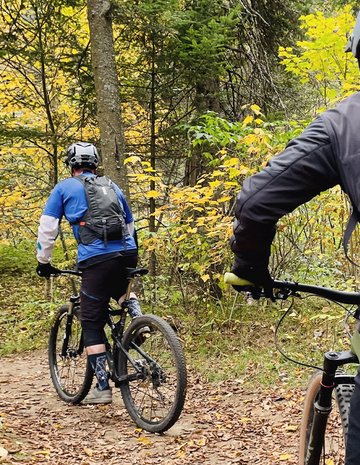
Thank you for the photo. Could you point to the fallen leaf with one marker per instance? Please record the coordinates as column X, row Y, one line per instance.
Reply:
column 285, row 457
column 3, row 453
column 88, row 452
column 144, row 440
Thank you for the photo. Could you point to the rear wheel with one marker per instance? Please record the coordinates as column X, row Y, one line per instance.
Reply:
column 333, row 445
column 154, row 379
column 70, row 370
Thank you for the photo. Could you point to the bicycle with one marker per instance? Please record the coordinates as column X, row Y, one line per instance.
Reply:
column 145, row 361
column 322, row 427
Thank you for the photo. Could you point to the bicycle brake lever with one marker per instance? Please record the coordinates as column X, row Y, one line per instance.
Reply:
column 284, row 294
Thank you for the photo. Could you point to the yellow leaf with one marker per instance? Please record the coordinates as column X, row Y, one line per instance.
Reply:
column 201, row 442
column 132, row 159
column 224, row 199
column 231, row 162
column 256, row 109
column 3, row 453
column 152, row 194
column 284, row 457
column 181, row 238
column 57, row 426
column 249, row 139
column 42, row 452
column 216, row 173
column 88, row 452
column 249, row 119
column 144, row 440
column 205, row 277
column 215, row 184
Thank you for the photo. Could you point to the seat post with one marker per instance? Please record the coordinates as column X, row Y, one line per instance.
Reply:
column 129, row 287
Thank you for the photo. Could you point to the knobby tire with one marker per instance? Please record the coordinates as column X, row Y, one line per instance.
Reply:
column 154, row 402
column 71, row 375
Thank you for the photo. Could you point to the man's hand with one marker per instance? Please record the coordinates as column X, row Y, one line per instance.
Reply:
column 45, row 270
column 256, row 273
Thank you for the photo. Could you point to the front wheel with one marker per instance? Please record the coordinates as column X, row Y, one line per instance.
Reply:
column 153, row 378
column 333, row 443
column 70, row 370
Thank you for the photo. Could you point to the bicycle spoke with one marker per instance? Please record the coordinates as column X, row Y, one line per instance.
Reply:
column 69, row 372
column 155, row 399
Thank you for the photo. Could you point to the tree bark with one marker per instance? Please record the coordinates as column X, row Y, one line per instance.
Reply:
column 107, row 91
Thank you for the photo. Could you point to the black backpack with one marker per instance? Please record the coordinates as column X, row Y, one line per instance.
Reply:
column 105, row 218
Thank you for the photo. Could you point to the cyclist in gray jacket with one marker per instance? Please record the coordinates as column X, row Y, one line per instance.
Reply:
column 327, row 153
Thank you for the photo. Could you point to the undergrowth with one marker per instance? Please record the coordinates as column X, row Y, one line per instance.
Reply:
column 232, row 339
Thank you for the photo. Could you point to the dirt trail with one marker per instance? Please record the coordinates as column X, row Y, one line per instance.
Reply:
column 222, row 424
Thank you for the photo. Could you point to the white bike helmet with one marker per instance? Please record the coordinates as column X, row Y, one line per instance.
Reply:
column 82, row 154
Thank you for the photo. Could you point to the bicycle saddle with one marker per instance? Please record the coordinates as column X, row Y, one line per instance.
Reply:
column 136, row 272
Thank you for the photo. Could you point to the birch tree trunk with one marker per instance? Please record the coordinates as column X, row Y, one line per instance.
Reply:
column 107, row 91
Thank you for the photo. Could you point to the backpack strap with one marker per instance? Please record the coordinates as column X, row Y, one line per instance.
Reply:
column 82, row 180
column 351, row 225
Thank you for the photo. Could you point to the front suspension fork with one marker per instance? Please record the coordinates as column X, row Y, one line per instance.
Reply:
column 323, row 404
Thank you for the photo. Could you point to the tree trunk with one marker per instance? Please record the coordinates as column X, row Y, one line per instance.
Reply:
column 107, row 91
column 152, row 205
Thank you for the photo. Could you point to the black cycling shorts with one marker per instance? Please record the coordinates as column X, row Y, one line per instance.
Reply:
column 100, row 283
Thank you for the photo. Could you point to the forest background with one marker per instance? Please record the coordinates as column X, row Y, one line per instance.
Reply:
column 208, row 92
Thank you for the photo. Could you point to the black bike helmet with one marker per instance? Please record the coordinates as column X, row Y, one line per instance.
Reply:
column 353, row 44
column 82, row 154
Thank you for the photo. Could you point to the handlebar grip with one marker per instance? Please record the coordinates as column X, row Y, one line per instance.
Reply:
column 231, row 278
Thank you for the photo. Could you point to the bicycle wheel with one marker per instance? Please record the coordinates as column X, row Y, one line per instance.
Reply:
column 333, row 447
column 155, row 396
column 70, row 371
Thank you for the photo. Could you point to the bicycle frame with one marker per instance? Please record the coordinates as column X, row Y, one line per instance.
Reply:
column 332, row 360
column 117, row 329
column 145, row 361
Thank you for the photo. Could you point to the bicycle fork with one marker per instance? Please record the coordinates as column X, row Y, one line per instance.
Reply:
column 68, row 326
column 323, row 405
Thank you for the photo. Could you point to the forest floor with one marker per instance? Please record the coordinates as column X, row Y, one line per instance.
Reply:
column 224, row 423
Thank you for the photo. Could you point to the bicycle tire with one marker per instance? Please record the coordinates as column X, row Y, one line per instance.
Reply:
column 154, row 402
column 72, row 374
column 334, row 442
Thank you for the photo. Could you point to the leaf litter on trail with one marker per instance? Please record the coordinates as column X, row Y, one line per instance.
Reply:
column 221, row 424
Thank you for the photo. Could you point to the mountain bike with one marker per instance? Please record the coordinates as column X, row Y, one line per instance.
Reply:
column 325, row 415
column 145, row 361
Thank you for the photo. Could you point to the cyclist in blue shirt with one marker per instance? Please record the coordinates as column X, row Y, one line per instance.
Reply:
column 102, row 263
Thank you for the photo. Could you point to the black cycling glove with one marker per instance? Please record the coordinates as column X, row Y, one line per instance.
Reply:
column 45, row 270
column 256, row 272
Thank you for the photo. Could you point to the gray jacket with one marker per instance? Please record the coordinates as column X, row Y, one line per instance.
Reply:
column 325, row 154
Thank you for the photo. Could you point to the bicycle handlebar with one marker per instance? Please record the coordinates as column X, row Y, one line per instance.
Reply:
column 289, row 288
column 131, row 273
column 72, row 272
